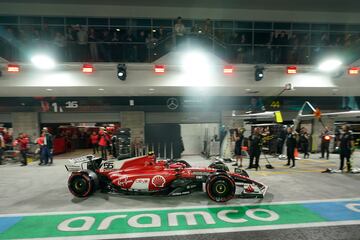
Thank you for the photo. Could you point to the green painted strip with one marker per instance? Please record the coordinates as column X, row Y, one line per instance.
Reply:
column 160, row 221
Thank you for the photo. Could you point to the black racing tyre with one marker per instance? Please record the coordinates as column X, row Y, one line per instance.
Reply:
column 220, row 187
column 219, row 166
column 81, row 185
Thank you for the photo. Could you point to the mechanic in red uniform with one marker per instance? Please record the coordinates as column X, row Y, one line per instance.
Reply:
column 94, row 138
column 23, row 147
column 103, row 143
column 40, row 141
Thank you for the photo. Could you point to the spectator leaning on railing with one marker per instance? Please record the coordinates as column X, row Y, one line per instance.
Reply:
column 179, row 30
column 93, row 39
column 60, row 44
column 82, row 42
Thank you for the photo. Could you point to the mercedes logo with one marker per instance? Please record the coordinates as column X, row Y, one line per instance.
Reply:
column 172, row 103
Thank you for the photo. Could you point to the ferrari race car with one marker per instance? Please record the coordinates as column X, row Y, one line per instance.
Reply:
column 146, row 175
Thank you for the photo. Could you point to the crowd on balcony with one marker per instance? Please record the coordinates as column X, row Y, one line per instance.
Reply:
column 79, row 43
column 284, row 47
column 82, row 43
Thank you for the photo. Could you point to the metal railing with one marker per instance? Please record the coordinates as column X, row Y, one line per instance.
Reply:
column 153, row 49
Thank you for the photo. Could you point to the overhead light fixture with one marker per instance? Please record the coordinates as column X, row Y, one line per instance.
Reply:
column 101, row 89
column 353, row 70
column 289, row 87
column 88, row 68
column 151, row 89
column 43, row 62
column 118, row 29
column 49, row 89
column 13, row 68
column 159, row 69
column 291, row 70
column 330, row 65
column 229, row 69
column 259, row 73
column 121, row 71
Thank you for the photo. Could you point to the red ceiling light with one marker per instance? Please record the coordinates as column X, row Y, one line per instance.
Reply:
column 291, row 70
column 229, row 69
column 353, row 71
column 14, row 68
column 159, row 69
column 88, row 68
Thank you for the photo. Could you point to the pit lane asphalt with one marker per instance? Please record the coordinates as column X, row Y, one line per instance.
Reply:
column 316, row 233
column 34, row 189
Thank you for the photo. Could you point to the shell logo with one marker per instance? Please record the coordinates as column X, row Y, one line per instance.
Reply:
column 158, row 181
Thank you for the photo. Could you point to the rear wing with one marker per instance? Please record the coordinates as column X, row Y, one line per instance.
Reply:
column 79, row 164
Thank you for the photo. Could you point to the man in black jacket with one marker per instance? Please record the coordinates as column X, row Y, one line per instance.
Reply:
column 346, row 145
column 291, row 145
column 255, row 143
column 325, row 142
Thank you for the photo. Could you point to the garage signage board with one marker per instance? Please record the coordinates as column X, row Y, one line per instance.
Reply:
column 179, row 221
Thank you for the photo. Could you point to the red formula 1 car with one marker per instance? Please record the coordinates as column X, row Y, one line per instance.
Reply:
column 145, row 175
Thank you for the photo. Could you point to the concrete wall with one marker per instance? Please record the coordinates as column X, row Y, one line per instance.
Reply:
column 26, row 122
column 136, row 122
column 193, row 136
column 173, row 12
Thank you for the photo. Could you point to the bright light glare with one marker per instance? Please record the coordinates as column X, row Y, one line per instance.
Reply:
column 330, row 65
column 43, row 62
column 196, row 63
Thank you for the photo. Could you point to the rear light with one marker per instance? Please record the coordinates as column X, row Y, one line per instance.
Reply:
column 14, row 68
column 353, row 71
column 228, row 69
column 159, row 69
column 291, row 70
column 88, row 68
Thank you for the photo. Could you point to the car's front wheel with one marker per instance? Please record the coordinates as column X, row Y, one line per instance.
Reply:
column 220, row 187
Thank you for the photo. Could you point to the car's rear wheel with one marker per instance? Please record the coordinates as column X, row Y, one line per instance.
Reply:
column 81, row 185
column 220, row 188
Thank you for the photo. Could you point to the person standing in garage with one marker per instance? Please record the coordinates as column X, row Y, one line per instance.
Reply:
column 104, row 143
column 238, row 137
column 255, row 143
column 346, row 145
column 40, row 142
column 48, row 146
column 2, row 147
column 291, row 143
column 325, row 142
column 23, row 147
column 95, row 142
column 304, row 142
